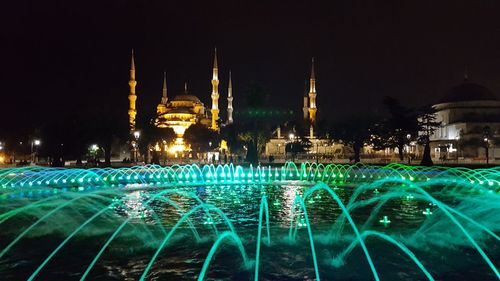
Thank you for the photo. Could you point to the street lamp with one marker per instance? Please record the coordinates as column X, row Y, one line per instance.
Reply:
column 135, row 144
column 94, row 149
column 2, row 159
column 487, row 146
column 35, row 143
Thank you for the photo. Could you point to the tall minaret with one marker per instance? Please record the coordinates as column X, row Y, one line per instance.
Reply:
column 312, row 95
column 305, row 108
column 164, row 99
column 215, row 93
column 230, row 101
column 132, row 112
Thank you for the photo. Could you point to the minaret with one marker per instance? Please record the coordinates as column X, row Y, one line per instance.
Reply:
column 164, row 99
column 305, row 108
column 215, row 94
column 312, row 96
column 230, row 101
column 132, row 112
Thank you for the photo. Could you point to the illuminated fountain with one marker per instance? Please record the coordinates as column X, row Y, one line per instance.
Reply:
column 294, row 222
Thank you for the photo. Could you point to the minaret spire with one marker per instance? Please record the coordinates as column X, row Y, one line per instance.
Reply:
column 305, row 108
column 230, row 101
column 312, row 95
column 466, row 73
column 164, row 97
column 312, row 69
column 215, row 93
column 162, row 106
column 132, row 97
column 215, row 58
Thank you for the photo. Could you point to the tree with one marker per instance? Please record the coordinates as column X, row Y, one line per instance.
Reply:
column 67, row 137
column 400, row 128
column 230, row 133
column 354, row 132
column 296, row 146
column 104, row 129
column 427, row 124
column 255, row 122
column 151, row 136
column 201, row 138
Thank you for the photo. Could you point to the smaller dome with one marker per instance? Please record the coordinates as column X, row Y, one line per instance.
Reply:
column 468, row 91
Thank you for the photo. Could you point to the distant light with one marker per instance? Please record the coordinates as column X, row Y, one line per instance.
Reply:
column 137, row 134
column 37, row 142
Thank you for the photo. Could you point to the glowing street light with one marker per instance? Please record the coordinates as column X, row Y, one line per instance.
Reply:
column 137, row 134
column 135, row 144
column 35, row 143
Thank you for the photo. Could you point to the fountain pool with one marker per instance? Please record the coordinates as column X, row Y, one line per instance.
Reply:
column 294, row 222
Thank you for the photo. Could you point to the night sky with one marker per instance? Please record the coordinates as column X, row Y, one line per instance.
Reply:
column 72, row 57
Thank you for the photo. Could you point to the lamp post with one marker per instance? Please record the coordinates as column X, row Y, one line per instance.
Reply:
column 408, row 152
column 34, row 143
column 2, row 159
column 94, row 149
column 135, row 144
column 487, row 147
column 317, row 156
column 291, row 136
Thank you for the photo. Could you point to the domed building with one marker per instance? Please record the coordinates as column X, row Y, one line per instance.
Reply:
column 181, row 112
column 470, row 118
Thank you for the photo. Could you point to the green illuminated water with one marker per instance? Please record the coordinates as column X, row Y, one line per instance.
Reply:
column 295, row 222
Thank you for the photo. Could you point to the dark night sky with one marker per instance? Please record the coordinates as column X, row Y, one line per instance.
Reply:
column 73, row 56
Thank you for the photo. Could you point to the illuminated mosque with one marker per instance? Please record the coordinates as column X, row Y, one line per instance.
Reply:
column 276, row 146
column 182, row 110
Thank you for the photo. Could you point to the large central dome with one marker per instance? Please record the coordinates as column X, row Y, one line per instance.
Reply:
column 186, row 97
column 468, row 91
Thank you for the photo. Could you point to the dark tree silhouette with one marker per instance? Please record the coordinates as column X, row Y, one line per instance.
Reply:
column 399, row 129
column 200, row 137
column 151, row 136
column 255, row 130
column 427, row 124
column 354, row 132
column 299, row 145
column 103, row 129
column 230, row 133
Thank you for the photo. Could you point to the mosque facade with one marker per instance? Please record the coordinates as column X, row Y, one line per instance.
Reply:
column 182, row 110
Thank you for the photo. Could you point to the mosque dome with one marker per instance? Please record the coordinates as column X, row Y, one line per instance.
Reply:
column 187, row 97
column 468, row 91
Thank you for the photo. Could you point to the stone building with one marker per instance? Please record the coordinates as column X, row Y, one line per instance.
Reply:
column 470, row 120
